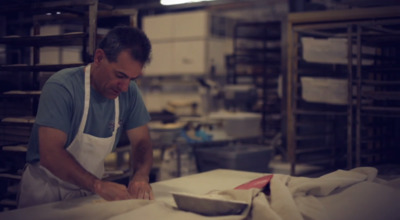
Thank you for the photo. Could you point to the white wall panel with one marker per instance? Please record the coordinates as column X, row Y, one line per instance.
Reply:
column 182, row 44
column 161, row 59
column 159, row 27
column 191, row 25
column 189, row 57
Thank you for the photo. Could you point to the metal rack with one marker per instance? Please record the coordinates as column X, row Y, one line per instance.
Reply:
column 333, row 133
column 256, row 60
column 22, row 42
column 376, row 97
column 23, row 35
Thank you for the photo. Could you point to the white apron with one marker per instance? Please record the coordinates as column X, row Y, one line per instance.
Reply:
column 39, row 185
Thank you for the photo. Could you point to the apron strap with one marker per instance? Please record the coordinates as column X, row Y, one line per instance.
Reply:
column 87, row 102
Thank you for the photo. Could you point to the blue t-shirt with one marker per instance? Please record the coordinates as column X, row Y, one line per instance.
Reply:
column 61, row 107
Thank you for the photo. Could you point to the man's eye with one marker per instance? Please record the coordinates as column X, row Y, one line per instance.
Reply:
column 136, row 78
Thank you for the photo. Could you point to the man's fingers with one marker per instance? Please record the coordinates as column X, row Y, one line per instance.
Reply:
column 141, row 194
column 112, row 191
column 140, row 190
column 151, row 195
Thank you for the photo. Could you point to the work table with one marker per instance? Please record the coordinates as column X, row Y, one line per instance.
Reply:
column 93, row 207
column 355, row 194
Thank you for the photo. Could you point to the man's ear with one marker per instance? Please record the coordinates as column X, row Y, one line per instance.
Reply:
column 99, row 55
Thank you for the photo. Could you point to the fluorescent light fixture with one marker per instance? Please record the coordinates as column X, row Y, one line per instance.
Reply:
column 176, row 2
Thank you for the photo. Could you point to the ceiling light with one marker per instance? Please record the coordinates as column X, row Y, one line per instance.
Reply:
column 176, row 2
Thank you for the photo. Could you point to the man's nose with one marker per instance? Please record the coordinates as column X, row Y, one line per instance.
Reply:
column 124, row 85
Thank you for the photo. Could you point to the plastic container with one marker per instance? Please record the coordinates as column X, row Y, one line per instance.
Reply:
column 254, row 158
column 239, row 124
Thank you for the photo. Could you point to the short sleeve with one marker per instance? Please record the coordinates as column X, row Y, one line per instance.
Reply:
column 137, row 114
column 55, row 107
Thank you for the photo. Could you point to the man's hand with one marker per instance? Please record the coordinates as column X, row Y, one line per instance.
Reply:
column 111, row 191
column 139, row 188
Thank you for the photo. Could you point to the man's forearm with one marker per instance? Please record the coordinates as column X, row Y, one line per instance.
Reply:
column 67, row 169
column 142, row 160
column 59, row 161
column 63, row 165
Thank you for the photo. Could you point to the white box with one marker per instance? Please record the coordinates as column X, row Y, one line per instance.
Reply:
column 331, row 50
column 324, row 90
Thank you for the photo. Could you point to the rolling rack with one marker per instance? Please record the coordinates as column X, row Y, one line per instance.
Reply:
column 21, row 42
column 256, row 60
column 376, row 98
column 342, row 88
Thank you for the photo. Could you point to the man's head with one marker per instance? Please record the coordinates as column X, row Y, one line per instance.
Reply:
column 119, row 59
column 126, row 38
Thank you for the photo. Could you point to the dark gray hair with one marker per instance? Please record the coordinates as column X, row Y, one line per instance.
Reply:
column 126, row 38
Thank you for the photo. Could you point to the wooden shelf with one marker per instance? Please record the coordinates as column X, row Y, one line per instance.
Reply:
column 313, row 137
column 276, row 50
column 19, row 120
column 315, row 112
column 61, row 5
column 10, row 176
column 312, row 150
column 379, row 82
column 20, row 94
column 382, row 95
column 15, row 148
column 38, row 67
column 70, row 39
column 381, row 110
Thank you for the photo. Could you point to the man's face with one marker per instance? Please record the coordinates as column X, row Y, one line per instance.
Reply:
column 112, row 78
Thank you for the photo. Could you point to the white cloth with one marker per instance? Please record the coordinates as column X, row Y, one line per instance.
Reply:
column 298, row 198
column 311, row 198
column 39, row 185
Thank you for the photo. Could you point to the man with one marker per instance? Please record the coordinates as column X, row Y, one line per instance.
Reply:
column 81, row 114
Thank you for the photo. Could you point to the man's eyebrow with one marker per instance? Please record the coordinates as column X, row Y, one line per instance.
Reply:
column 126, row 76
column 122, row 73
